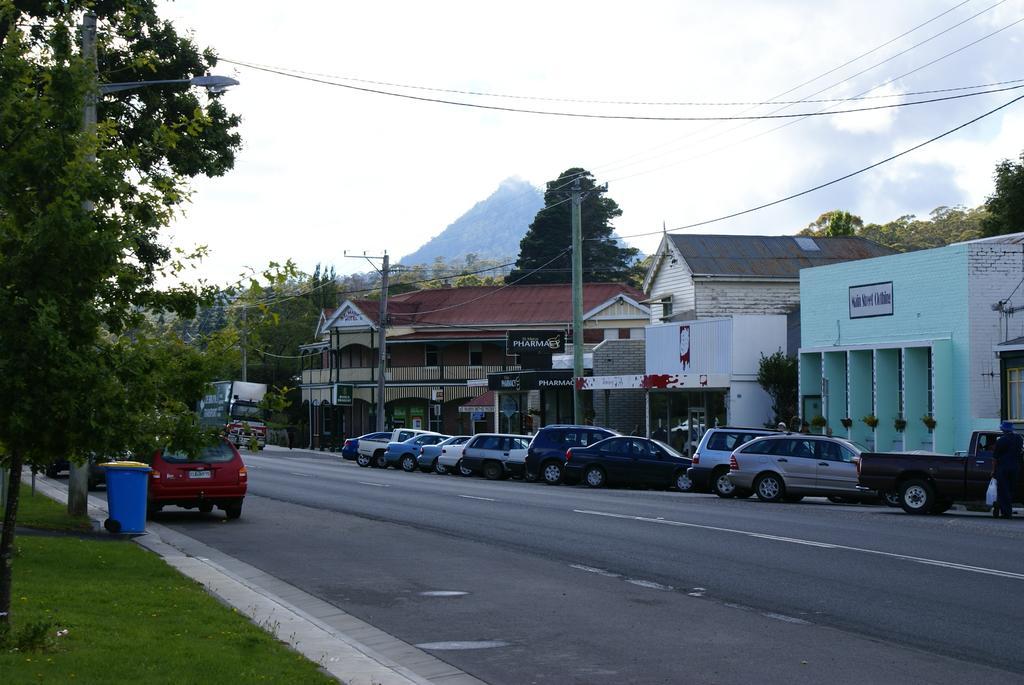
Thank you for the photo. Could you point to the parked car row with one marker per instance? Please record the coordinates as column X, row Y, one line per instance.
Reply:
column 556, row 454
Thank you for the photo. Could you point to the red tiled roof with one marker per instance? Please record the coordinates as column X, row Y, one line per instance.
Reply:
column 485, row 305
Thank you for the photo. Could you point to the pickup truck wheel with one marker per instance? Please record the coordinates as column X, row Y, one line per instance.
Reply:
column 492, row 470
column 551, row 472
column 439, row 467
column 721, row 485
column 769, row 487
column 916, row 496
column 363, row 460
column 682, row 482
column 408, row 463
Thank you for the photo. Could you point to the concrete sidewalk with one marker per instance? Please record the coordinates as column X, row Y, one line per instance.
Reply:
column 349, row 649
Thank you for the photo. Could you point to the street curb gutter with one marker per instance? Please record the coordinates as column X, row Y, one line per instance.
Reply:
column 247, row 590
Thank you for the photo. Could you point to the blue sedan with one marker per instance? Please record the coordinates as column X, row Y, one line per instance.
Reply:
column 403, row 454
column 628, row 461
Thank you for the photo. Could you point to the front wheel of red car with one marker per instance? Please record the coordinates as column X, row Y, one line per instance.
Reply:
column 233, row 510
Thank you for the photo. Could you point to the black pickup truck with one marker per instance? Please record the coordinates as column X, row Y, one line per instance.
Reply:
column 929, row 483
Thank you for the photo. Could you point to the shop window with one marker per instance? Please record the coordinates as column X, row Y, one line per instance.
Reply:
column 1015, row 394
column 432, row 356
column 476, row 354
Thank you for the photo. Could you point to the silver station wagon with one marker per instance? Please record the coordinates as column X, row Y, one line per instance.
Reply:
column 791, row 466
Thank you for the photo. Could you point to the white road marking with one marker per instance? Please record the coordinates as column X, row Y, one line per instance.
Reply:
column 480, row 644
column 486, row 499
column 649, row 584
column 376, row 485
column 786, row 619
column 811, row 543
column 598, row 571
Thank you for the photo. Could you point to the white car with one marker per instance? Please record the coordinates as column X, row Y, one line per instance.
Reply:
column 371, row 452
column 449, row 457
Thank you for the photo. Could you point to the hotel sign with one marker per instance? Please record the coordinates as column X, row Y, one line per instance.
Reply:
column 873, row 299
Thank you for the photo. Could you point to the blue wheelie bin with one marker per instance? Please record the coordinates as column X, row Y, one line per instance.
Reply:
column 127, row 482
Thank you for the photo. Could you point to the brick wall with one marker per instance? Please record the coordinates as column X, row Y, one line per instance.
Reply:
column 620, row 410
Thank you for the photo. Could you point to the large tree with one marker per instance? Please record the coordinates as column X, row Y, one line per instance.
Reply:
column 80, row 248
column 544, row 254
column 1006, row 205
column 835, row 224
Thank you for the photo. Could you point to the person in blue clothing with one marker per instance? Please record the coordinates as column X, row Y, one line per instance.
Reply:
column 1006, row 458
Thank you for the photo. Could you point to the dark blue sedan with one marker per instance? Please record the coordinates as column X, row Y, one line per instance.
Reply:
column 628, row 461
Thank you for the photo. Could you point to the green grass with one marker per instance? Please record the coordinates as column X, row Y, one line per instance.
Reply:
column 130, row 618
column 39, row 511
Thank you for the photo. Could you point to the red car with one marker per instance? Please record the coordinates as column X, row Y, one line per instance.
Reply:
column 217, row 477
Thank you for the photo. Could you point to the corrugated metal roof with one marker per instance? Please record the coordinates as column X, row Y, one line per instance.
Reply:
column 768, row 256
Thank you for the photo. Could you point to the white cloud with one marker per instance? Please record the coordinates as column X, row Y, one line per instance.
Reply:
column 327, row 169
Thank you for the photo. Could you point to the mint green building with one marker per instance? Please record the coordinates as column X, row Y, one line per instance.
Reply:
column 914, row 351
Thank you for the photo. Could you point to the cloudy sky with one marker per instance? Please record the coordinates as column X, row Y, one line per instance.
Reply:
column 326, row 169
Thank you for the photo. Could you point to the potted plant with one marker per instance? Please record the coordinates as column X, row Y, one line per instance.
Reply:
column 819, row 421
column 871, row 421
column 846, row 421
column 899, row 423
column 929, row 421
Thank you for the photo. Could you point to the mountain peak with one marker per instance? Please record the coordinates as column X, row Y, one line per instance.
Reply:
column 490, row 229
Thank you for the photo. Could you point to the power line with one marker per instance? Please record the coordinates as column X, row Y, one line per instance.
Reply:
column 629, row 117
column 795, row 121
column 835, row 180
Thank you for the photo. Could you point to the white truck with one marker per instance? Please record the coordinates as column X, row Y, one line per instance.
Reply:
column 235, row 407
column 371, row 452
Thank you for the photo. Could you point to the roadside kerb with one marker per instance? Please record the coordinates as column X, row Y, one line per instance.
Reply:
column 314, row 628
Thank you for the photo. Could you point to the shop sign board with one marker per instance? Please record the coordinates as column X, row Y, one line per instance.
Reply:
column 654, row 381
column 529, row 380
column 343, row 395
column 534, row 342
column 873, row 299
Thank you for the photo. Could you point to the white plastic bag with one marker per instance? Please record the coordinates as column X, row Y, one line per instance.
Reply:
column 990, row 494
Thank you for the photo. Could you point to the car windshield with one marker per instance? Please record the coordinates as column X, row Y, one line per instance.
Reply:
column 668, row 448
column 214, row 454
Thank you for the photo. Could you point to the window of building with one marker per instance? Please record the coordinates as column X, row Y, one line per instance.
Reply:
column 476, row 354
column 432, row 356
column 1015, row 394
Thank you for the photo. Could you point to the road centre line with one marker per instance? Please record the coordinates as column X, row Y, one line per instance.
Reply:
column 376, row 485
column 486, row 499
column 812, row 543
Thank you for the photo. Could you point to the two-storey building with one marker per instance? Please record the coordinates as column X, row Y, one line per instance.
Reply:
column 441, row 345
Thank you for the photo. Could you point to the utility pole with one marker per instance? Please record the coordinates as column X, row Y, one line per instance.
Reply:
column 382, row 340
column 245, row 343
column 382, row 326
column 78, row 478
column 577, row 301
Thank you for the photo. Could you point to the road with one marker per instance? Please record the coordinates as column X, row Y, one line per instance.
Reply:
column 525, row 583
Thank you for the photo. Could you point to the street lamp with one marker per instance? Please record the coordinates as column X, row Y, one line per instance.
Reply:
column 213, row 84
column 78, row 479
